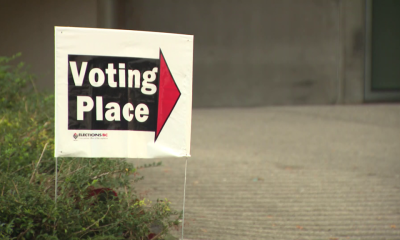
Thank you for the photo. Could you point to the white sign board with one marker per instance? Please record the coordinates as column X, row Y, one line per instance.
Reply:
column 122, row 94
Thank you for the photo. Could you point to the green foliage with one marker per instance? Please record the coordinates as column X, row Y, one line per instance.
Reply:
column 27, row 178
column 12, row 80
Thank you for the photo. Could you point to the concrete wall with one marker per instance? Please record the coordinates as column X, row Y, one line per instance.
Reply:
column 265, row 52
column 353, row 46
column 28, row 27
column 247, row 53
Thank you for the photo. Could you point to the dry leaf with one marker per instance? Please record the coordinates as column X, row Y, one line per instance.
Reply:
column 393, row 226
column 203, row 230
column 299, row 227
column 269, row 216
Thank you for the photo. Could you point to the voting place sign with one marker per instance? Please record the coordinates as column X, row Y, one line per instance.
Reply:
column 122, row 94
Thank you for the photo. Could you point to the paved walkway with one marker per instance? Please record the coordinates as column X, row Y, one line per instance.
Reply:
column 317, row 172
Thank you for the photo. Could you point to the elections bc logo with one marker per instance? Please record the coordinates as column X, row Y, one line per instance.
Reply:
column 90, row 135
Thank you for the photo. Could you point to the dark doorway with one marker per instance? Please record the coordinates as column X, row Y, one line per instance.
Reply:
column 383, row 50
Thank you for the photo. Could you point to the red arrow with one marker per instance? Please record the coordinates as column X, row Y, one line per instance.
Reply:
column 168, row 95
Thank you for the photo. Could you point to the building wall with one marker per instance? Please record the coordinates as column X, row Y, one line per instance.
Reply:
column 353, row 46
column 28, row 27
column 247, row 53
column 265, row 52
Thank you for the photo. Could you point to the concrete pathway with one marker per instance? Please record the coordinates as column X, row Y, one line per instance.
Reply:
column 316, row 172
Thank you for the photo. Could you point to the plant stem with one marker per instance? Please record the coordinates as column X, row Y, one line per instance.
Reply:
column 40, row 159
column 16, row 189
column 22, row 234
column 94, row 222
column 127, row 197
column 104, row 174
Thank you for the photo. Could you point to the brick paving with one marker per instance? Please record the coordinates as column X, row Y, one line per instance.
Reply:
column 315, row 172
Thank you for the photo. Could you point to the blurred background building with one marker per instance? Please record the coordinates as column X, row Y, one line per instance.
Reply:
column 247, row 53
